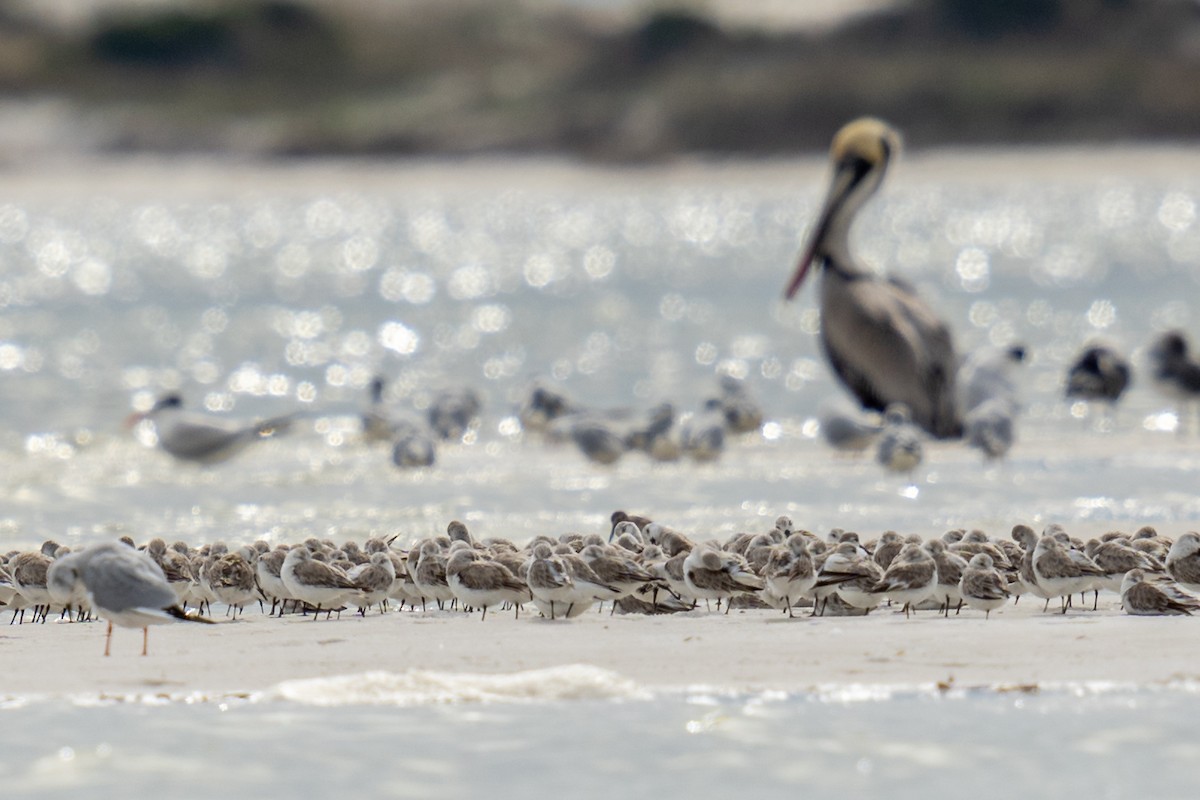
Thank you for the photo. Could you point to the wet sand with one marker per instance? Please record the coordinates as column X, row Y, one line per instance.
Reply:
column 746, row 650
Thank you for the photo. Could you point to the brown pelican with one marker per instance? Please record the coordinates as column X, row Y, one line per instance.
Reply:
column 885, row 344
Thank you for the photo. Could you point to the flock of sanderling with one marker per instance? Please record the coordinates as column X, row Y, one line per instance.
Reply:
column 642, row 567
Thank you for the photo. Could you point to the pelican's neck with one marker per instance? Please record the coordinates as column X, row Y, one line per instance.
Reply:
column 835, row 246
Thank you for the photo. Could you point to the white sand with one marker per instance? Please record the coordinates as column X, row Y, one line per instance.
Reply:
column 745, row 650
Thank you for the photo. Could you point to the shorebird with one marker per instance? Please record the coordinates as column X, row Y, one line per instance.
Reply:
column 950, row 567
column 176, row 567
column 990, row 427
column 378, row 420
column 846, row 567
column 205, row 438
column 885, row 344
column 899, row 447
column 412, row 446
column 847, row 429
column 911, row 578
column 28, row 573
column 1059, row 574
column 1176, row 374
column 790, row 573
column 481, row 583
column 230, row 578
column 586, row 586
column 125, row 587
column 267, row 577
column 549, row 581
column 621, row 572
column 65, row 590
column 982, row 586
column 741, row 411
column 315, row 583
column 987, row 375
column 542, row 405
column 1098, row 373
column 1026, row 582
column 453, row 411
column 373, row 581
column 429, row 573
column 703, row 433
column 712, row 574
column 639, row 522
column 1115, row 558
column 1144, row 598
column 1183, row 561
column 597, row 439
column 887, row 548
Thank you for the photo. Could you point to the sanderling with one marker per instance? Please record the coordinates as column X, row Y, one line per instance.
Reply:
column 711, row 574
column 1059, row 574
column 1145, row 598
column 315, row 583
column 911, row 578
column 549, row 581
column 983, row 587
column 899, row 447
column 1183, row 561
column 481, row 583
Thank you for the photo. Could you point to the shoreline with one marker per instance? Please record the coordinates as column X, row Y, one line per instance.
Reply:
column 749, row 651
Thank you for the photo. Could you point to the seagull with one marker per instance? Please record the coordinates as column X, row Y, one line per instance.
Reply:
column 884, row 343
column 124, row 586
column 205, row 438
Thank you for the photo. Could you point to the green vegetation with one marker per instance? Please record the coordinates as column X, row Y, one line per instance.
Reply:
column 309, row 76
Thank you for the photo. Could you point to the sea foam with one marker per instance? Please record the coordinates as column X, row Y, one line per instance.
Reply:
column 423, row 687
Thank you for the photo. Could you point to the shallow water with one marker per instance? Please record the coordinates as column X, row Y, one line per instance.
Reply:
column 258, row 289
column 1109, row 744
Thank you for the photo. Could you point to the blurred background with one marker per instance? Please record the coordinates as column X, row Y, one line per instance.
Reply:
column 618, row 80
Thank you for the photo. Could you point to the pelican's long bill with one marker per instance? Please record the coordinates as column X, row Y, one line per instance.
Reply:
column 844, row 179
column 860, row 154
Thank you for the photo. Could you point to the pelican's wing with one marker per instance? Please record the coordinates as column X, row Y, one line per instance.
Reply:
column 888, row 346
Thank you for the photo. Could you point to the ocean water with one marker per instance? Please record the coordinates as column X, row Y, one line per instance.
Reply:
column 260, row 289
column 257, row 289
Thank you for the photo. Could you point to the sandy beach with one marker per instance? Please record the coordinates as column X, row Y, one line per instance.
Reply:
column 747, row 650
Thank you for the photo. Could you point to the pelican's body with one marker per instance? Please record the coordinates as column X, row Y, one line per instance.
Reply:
column 883, row 342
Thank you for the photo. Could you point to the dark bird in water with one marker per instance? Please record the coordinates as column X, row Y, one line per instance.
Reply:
column 1099, row 373
column 882, row 340
column 1176, row 374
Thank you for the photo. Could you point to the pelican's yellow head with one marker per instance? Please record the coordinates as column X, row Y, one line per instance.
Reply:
column 867, row 140
column 860, row 153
